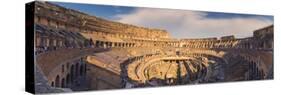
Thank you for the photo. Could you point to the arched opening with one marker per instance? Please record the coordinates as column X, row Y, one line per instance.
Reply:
column 81, row 70
column 57, row 81
column 63, row 83
column 102, row 44
column 52, row 84
column 115, row 44
column 67, row 80
column 72, row 73
column 77, row 69
column 97, row 43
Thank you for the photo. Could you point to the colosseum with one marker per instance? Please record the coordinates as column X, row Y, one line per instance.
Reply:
column 75, row 51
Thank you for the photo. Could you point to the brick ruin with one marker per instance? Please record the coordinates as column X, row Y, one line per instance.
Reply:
column 81, row 52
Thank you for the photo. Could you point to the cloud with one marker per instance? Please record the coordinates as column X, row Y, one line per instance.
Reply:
column 192, row 24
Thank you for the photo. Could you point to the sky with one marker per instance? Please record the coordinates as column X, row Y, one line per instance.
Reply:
column 179, row 23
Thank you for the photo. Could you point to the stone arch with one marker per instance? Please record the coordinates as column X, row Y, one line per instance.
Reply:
column 63, row 83
column 115, row 44
column 72, row 73
column 77, row 69
column 67, row 83
column 81, row 70
column 57, row 81
column 52, row 84
column 97, row 43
